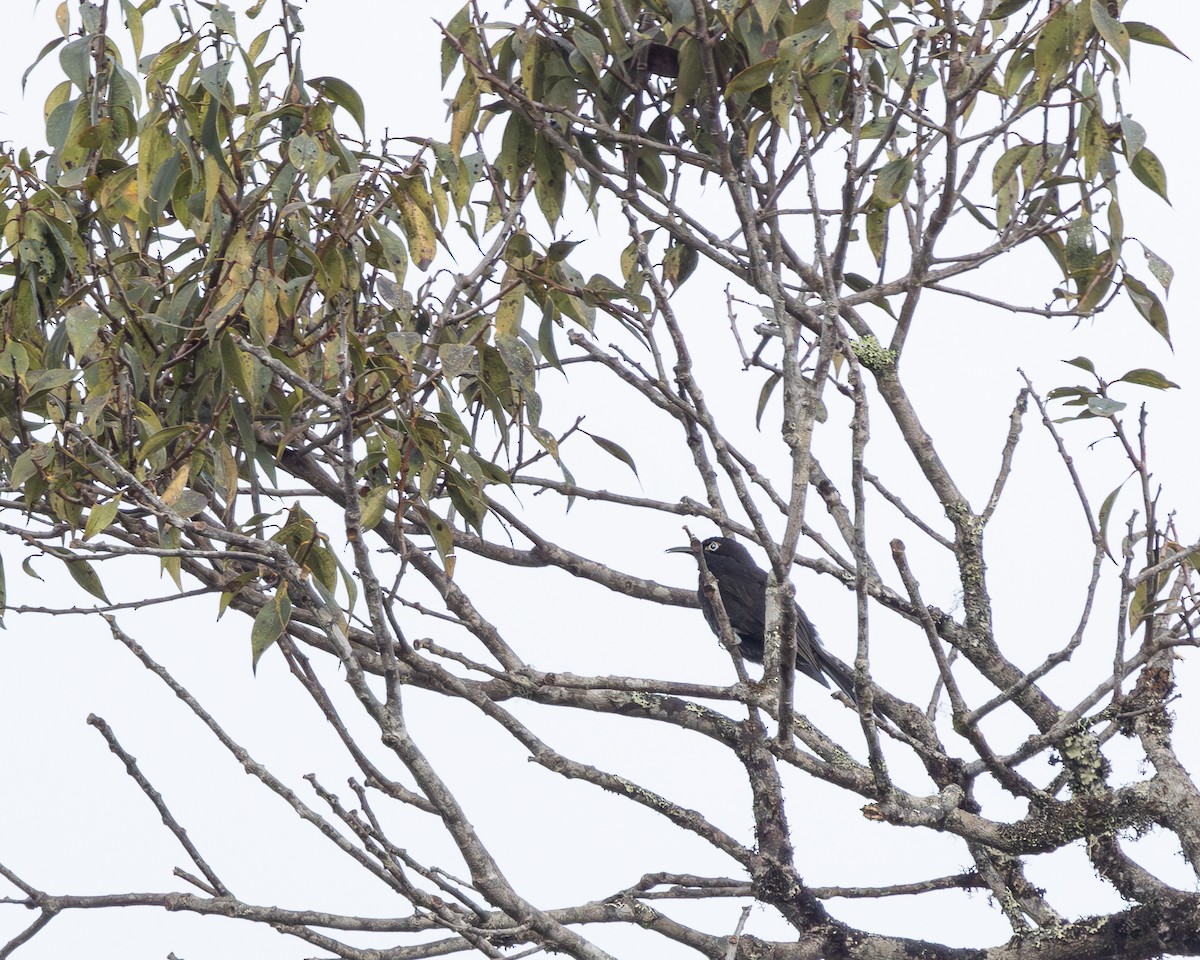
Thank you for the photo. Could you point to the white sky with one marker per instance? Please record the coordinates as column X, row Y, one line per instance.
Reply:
column 72, row 822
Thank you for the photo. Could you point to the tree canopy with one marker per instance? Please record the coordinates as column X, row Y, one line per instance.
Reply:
column 320, row 377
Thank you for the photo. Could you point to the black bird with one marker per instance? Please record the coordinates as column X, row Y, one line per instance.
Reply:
column 743, row 589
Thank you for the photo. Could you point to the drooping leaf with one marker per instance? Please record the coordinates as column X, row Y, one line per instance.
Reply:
column 1052, row 52
column 1145, row 33
column 84, row 574
column 1163, row 272
column 546, row 338
column 344, row 95
column 678, row 264
column 1106, row 512
column 1149, row 170
column 877, row 230
column 269, row 623
column 1111, row 29
column 443, row 540
column 892, row 180
column 1148, row 305
column 764, row 395
column 615, row 450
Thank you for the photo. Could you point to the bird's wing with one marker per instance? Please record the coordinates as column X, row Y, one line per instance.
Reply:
column 808, row 649
column 743, row 594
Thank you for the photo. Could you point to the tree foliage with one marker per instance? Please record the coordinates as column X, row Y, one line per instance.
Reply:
column 303, row 370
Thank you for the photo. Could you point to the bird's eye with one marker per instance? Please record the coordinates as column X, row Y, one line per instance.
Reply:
column 713, row 547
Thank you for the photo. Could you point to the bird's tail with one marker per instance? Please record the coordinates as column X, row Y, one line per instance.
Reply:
column 839, row 673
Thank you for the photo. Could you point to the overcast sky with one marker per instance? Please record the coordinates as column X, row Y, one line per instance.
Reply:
column 71, row 821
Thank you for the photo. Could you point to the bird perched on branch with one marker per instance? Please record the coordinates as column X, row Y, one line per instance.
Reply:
column 743, row 588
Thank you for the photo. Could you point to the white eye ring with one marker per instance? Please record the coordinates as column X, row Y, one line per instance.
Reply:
column 714, row 547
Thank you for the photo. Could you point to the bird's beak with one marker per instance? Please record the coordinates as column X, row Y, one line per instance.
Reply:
column 680, row 550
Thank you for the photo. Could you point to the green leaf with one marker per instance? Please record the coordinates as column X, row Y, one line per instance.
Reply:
column 691, row 74
column 1006, row 167
column 652, row 170
column 1138, row 604
column 84, row 574
column 83, row 326
column 678, row 264
column 269, row 624
column 518, row 358
column 1078, row 392
column 1083, row 363
column 163, row 186
column 844, row 16
column 877, row 230
column 858, row 283
column 1145, row 33
column 764, row 395
column 52, row 45
column 171, row 538
column 1148, row 305
column 133, row 20
column 160, row 440
column 305, row 153
column 1111, row 29
column 1006, row 8
column 767, row 10
column 223, row 19
column 1106, row 511
column 614, row 450
column 1148, row 378
column 1081, row 245
column 232, row 589
column 546, row 337
column 100, row 517
column 891, row 181
column 75, row 59
column 242, row 370
column 395, row 258
column 1103, row 406
column 417, row 219
column 406, row 343
column 210, row 136
column 1135, row 137
column 1052, row 52
column 344, row 95
column 44, row 381
column 456, row 359
column 751, row 79
column 459, row 25
column 550, row 186
column 214, row 78
column 373, row 506
column 1163, row 272
column 1149, row 170
column 516, row 149
column 443, row 539
column 190, row 503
